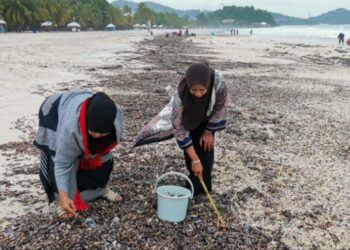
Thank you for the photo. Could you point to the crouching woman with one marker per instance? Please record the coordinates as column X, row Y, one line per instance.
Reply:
column 77, row 131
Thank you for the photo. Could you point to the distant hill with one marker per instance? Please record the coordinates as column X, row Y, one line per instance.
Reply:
column 241, row 15
column 158, row 8
column 281, row 19
column 338, row 16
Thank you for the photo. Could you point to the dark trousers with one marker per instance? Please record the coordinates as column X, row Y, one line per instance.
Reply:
column 206, row 158
column 96, row 178
column 86, row 179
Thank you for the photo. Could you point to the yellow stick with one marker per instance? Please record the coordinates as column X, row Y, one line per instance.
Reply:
column 220, row 219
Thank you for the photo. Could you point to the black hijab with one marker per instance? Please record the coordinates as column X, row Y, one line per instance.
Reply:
column 100, row 115
column 195, row 109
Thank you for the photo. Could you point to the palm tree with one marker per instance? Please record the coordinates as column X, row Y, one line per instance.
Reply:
column 16, row 13
column 36, row 12
column 63, row 13
column 144, row 14
column 49, row 9
column 114, row 15
column 127, row 11
column 89, row 15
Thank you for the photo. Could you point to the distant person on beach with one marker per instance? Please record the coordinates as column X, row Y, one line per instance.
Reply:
column 186, row 32
column 193, row 116
column 251, row 32
column 341, row 38
column 77, row 130
column 231, row 32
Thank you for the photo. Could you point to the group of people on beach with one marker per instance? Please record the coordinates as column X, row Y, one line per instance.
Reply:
column 235, row 32
column 180, row 33
column 78, row 129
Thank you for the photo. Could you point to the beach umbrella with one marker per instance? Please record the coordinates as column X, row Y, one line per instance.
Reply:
column 137, row 25
column 160, row 26
column 154, row 26
column 110, row 27
column 46, row 24
column 144, row 26
column 73, row 25
column 2, row 22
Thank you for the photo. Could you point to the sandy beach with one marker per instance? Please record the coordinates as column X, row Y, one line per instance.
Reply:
column 281, row 174
column 32, row 67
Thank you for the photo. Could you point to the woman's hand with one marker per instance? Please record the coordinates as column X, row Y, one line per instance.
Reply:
column 207, row 141
column 196, row 164
column 67, row 206
column 197, row 168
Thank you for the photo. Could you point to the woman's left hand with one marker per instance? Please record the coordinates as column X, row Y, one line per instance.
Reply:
column 207, row 141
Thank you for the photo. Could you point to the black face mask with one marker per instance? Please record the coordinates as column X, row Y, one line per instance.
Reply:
column 101, row 113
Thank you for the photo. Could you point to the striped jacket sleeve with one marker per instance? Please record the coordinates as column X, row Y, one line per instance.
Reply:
column 182, row 135
column 218, row 117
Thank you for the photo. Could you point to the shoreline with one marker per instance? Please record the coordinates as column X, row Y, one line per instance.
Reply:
column 288, row 124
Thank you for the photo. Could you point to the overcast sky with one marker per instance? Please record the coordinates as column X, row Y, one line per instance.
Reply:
column 298, row 8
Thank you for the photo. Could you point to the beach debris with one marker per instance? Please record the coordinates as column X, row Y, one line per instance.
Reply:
column 252, row 173
column 90, row 222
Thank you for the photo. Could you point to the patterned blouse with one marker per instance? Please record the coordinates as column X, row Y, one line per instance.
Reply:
column 216, row 113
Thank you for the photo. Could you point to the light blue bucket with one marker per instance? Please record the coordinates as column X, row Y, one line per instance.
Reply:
column 173, row 200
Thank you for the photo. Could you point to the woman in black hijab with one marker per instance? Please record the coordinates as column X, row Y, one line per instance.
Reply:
column 201, row 112
column 77, row 131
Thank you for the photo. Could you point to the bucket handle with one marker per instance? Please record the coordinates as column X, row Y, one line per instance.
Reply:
column 178, row 174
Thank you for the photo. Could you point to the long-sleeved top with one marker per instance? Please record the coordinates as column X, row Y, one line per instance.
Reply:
column 168, row 122
column 59, row 133
column 216, row 113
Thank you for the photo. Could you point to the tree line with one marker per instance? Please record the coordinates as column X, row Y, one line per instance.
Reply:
column 96, row 14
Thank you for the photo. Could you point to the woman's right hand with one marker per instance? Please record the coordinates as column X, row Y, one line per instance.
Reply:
column 197, row 169
column 67, row 206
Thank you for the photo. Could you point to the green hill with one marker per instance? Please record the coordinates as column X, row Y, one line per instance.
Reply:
column 338, row 16
column 158, row 8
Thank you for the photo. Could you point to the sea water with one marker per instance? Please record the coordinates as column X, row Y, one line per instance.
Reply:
column 307, row 34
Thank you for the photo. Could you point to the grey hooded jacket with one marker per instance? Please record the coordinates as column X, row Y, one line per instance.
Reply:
column 60, row 134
